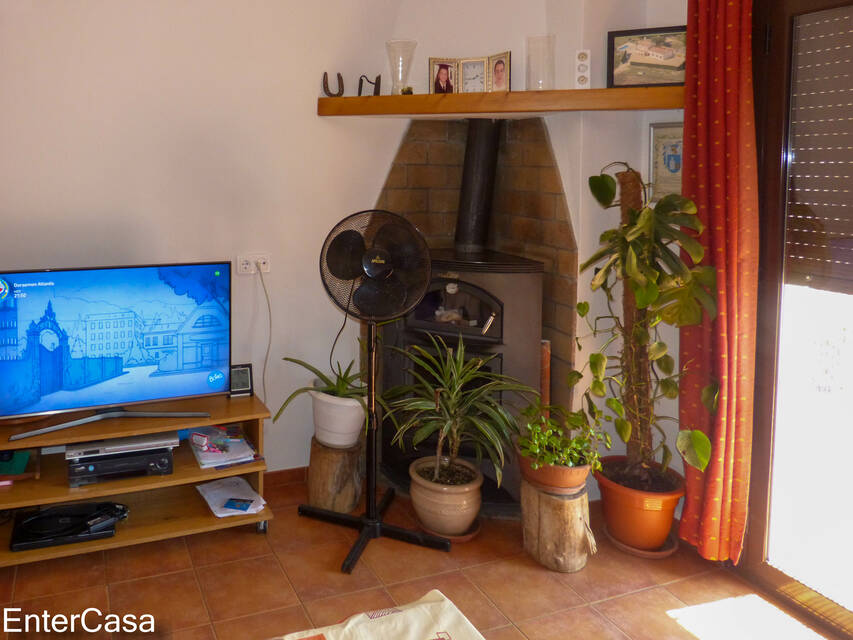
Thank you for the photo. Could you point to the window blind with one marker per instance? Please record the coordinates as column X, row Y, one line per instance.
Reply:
column 819, row 217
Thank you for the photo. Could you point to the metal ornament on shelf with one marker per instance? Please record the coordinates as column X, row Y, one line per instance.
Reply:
column 377, row 84
column 326, row 89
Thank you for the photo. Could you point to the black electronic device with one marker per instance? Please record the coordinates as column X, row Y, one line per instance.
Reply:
column 375, row 266
column 65, row 524
column 241, row 380
column 152, row 462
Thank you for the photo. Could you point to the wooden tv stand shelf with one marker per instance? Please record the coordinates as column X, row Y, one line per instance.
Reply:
column 160, row 506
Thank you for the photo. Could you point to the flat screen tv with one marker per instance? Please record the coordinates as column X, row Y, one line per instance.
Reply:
column 109, row 337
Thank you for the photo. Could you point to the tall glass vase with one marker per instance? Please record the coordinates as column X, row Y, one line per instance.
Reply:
column 400, row 54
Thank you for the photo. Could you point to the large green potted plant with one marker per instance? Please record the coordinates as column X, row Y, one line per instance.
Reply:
column 557, row 448
column 456, row 400
column 640, row 259
column 338, row 403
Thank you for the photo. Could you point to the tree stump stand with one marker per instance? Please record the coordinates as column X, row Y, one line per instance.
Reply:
column 556, row 528
column 335, row 476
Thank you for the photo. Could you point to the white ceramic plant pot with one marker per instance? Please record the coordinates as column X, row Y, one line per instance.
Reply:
column 445, row 509
column 337, row 421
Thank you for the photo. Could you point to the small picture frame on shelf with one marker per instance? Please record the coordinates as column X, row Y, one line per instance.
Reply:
column 666, row 147
column 646, row 57
column 443, row 75
column 473, row 75
column 241, row 380
column 499, row 72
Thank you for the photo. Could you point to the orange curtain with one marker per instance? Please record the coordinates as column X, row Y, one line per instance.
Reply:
column 720, row 176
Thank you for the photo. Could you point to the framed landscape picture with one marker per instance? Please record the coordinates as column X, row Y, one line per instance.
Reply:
column 666, row 146
column 646, row 57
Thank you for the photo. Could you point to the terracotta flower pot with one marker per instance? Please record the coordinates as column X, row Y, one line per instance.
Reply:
column 640, row 519
column 553, row 478
column 445, row 509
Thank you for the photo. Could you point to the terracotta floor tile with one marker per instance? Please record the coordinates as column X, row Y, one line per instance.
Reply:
column 461, row 591
column 580, row 622
column 497, row 539
column 264, row 625
column 522, row 589
column 198, row 633
column 504, row 633
column 317, row 573
column 716, row 585
column 683, row 563
column 66, row 603
column 236, row 543
column 610, row 573
column 284, row 495
column 7, row 582
column 245, row 587
column 173, row 599
column 284, row 476
column 643, row 616
column 289, row 532
column 56, row 576
column 394, row 561
column 338, row 608
column 144, row 560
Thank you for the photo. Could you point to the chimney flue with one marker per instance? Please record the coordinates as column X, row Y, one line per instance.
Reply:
column 478, row 185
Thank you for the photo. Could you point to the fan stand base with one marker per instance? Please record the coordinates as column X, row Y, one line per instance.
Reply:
column 372, row 528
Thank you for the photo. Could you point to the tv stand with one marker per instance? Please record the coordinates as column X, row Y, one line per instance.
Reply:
column 107, row 414
column 161, row 507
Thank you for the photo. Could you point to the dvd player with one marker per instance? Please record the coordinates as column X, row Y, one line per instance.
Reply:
column 80, row 450
column 121, row 465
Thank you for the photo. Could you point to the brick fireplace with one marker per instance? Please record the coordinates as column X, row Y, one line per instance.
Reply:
column 530, row 217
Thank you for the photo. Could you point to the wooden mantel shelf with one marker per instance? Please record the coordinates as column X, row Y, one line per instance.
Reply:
column 515, row 104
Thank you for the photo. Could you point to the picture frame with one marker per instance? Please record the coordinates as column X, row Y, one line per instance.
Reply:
column 500, row 81
column 452, row 67
column 666, row 148
column 473, row 75
column 242, row 383
column 646, row 57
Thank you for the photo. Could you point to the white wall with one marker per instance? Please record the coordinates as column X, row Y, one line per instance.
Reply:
column 155, row 131
column 161, row 130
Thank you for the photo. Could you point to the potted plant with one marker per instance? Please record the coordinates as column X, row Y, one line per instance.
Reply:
column 641, row 257
column 558, row 448
column 340, row 412
column 456, row 399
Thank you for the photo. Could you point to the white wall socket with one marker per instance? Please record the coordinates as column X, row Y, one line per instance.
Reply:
column 248, row 264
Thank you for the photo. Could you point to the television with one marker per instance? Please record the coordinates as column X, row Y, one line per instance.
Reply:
column 107, row 337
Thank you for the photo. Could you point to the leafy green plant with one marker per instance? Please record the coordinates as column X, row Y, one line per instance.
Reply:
column 643, row 255
column 560, row 437
column 342, row 383
column 457, row 399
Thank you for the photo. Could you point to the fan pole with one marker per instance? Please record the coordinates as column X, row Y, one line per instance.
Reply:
column 370, row 524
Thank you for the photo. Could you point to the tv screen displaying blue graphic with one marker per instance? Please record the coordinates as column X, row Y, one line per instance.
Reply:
column 86, row 338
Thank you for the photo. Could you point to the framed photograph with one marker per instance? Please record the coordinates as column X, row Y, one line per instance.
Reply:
column 499, row 72
column 473, row 75
column 646, row 57
column 443, row 75
column 666, row 146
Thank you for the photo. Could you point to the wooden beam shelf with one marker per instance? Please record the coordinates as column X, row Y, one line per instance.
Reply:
column 514, row 104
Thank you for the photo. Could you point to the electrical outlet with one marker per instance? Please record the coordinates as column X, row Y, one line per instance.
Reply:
column 248, row 264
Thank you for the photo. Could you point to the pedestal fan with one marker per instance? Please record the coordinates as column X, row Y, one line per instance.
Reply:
column 376, row 267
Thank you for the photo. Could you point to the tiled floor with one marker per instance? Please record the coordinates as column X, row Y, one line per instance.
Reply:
column 240, row 584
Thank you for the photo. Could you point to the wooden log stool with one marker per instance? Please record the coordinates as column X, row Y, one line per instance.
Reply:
column 335, row 476
column 556, row 528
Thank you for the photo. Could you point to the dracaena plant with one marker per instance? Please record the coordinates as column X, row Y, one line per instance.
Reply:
column 342, row 383
column 632, row 369
column 457, row 399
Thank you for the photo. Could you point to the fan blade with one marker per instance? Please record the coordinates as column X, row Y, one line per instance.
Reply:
column 405, row 250
column 343, row 257
column 380, row 298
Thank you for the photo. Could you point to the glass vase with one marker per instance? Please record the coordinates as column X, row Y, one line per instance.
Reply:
column 540, row 62
column 400, row 57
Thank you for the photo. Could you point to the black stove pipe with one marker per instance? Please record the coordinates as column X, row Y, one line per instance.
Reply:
column 478, row 185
